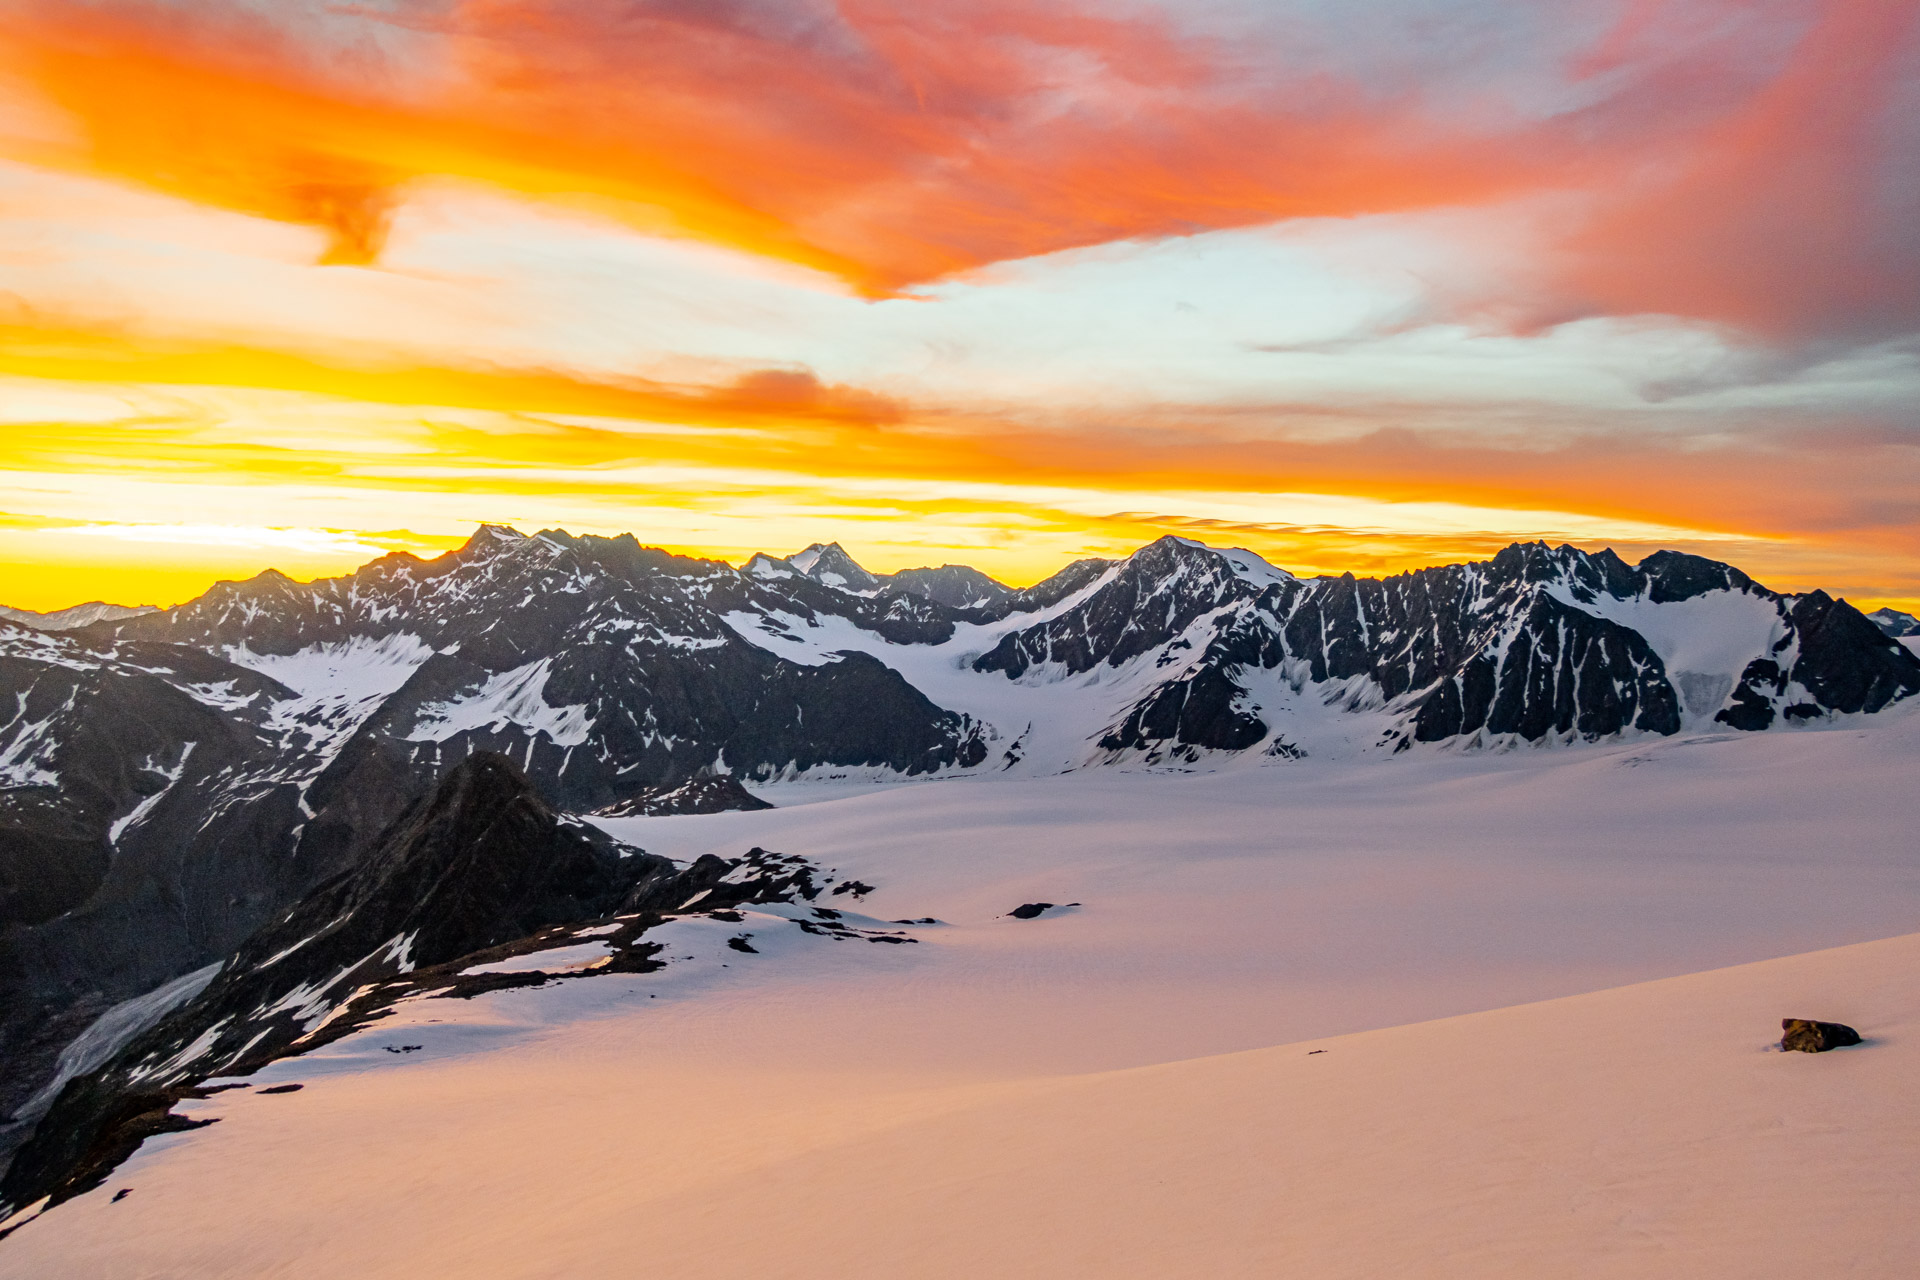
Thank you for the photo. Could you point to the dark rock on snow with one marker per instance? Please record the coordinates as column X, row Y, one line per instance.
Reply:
column 1804, row 1035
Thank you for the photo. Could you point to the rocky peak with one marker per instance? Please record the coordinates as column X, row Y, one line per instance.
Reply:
column 1672, row 576
column 957, row 586
column 1895, row 623
column 490, row 537
column 1148, row 600
column 830, row 565
column 762, row 565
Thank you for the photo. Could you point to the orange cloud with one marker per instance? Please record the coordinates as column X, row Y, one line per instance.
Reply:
column 758, row 397
column 1793, row 214
column 1731, row 161
column 886, row 144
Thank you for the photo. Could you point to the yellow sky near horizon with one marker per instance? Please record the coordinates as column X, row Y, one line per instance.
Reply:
column 347, row 480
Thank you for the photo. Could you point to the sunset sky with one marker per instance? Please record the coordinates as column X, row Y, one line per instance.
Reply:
column 1009, row 282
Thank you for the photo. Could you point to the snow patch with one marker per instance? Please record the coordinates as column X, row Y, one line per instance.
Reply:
column 112, row 1030
column 141, row 810
column 27, row 759
column 341, row 671
column 516, row 697
column 553, row 960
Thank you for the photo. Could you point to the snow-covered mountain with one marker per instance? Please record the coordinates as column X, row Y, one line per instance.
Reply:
column 1903, row 627
column 174, row 784
column 79, row 615
column 170, row 782
column 1894, row 622
column 295, row 720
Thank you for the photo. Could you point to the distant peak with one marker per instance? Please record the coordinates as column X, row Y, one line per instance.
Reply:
column 488, row 537
column 1895, row 622
column 762, row 565
column 1247, row 565
column 78, row 615
column 829, row 564
column 805, row 560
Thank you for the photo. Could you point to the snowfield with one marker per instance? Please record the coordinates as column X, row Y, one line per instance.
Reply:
column 1445, row 1014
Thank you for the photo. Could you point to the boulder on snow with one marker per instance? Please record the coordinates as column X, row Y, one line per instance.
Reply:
column 1033, row 910
column 1804, row 1035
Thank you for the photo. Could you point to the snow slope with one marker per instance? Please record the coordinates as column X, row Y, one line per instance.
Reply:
column 1647, row 1131
column 1094, row 1092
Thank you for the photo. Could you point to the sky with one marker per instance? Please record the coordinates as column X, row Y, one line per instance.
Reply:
column 1003, row 282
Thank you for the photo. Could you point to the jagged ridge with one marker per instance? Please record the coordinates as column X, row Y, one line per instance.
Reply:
column 480, row 862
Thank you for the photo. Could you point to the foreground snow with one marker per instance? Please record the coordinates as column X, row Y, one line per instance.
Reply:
column 1061, row 1096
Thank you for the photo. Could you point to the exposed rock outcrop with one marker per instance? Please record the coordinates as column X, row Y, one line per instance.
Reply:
column 471, row 870
column 1804, row 1035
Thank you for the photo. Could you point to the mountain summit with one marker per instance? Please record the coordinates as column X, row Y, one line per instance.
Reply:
column 829, row 564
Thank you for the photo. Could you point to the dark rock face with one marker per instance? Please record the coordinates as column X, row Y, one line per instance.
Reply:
column 1804, row 1035
column 1830, row 659
column 150, row 821
column 155, row 817
column 1150, row 599
column 1521, row 645
column 480, row 862
column 1672, row 576
column 954, row 585
column 1564, row 671
column 1198, row 711
column 1844, row 661
column 93, row 739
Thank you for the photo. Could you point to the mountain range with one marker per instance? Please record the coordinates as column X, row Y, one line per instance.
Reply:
column 79, row 615
column 174, row 782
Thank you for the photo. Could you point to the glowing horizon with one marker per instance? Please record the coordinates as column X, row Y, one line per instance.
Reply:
column 998, row 282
